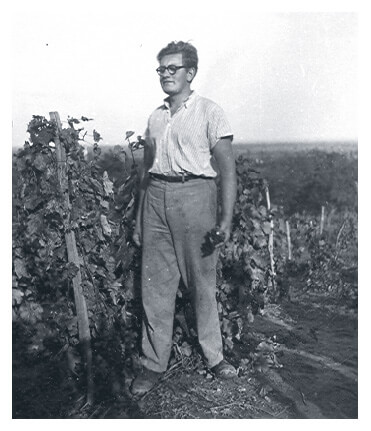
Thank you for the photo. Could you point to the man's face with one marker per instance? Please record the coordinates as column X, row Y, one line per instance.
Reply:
column 174, row 84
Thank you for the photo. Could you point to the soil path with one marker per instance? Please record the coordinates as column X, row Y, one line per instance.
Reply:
column 318, row 348
column 313, row 375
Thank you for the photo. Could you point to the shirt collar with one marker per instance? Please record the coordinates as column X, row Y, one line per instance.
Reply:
column 186, row 103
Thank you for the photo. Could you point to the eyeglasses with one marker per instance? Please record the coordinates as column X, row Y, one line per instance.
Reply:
column 171, row 69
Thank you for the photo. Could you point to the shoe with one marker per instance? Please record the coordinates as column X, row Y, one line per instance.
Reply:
column 144, row 382
column 224, row 370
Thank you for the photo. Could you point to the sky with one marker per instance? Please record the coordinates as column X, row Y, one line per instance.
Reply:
column 280, row 76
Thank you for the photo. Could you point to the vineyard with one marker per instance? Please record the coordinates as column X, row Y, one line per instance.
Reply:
column 76, row 277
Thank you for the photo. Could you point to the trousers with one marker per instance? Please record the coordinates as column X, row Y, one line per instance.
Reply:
column 176, row 218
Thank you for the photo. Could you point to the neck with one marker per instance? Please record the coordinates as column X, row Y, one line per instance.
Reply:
column 177, row 99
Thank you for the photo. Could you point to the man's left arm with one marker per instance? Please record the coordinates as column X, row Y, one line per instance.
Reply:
column 223, row 154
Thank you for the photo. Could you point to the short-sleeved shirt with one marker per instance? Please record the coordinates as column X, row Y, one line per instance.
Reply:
column 182, row 142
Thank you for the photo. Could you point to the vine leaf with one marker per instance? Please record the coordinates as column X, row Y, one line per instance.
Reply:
column 266, row 227
column 17, row 296
column 186, row 349
column 20, row 268
column 107, row 184
column 105, row 225
column 71, row 121
column 72, row 270
column 129, row 133
column 96, row 136
column 41, row 162
column 31, row 312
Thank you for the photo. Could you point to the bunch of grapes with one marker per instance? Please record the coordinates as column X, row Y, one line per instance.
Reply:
column 212, row 240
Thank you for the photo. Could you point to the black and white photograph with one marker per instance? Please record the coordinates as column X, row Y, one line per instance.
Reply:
column 184, row 211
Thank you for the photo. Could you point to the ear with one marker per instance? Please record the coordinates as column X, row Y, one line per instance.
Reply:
column 191, row 73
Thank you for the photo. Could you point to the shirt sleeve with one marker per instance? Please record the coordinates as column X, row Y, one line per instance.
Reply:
column 218, row 126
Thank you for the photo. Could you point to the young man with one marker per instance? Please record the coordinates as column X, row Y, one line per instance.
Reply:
column 177, row 208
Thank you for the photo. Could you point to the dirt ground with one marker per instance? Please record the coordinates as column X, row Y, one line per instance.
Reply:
column 298, row 360
column 188, row 395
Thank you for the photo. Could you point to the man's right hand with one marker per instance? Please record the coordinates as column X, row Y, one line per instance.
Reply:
column 137, row 235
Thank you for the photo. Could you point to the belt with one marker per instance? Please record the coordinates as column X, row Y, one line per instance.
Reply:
column 179, row 178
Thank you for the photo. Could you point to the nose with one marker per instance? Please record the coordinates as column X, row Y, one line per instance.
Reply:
column 165, row 73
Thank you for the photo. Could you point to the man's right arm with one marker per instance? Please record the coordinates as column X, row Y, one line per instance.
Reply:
column 143, row 184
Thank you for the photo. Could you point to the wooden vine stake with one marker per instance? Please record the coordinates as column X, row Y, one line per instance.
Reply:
column 288, row 235
column 270, row 241
column 73, row 257
column 322, row 220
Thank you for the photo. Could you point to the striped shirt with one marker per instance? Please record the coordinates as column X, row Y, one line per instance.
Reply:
column 182, row 142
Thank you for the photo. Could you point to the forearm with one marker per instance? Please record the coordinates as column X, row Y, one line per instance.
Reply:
column 144, row 180
column 228, row 182
column 142, row 190
column 224, row 157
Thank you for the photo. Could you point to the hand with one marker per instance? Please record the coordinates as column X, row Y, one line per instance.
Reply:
column 137, row 235
column 225, row 231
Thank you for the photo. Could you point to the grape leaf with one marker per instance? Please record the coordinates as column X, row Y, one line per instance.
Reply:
column 20, row 268
column 17, row 296
column 107, row 184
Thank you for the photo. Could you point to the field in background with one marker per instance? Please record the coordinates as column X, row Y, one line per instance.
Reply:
column 302, row 177
column 345, row 147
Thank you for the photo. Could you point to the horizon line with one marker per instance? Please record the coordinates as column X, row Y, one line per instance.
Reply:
column 349, row 141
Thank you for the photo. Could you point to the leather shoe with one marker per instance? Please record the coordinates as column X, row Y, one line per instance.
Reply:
column 224, row 370
column 145, row 381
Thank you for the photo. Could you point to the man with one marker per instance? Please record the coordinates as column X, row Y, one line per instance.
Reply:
column 177, row 208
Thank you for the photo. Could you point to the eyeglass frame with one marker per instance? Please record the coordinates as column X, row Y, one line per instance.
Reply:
column 164, row 68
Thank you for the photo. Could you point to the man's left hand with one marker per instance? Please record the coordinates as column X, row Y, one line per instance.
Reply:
column 224, row 230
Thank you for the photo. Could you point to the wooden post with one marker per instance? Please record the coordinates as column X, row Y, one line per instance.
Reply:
column 270, row 241
column 288, row 239
column 338, row 239
column 322, row 220
column 73, row 257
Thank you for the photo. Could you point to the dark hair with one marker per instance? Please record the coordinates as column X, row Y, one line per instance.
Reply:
column 188, row 51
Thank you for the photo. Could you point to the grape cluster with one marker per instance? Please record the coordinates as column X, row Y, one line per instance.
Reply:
column 212, row 240
column 216, row 237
